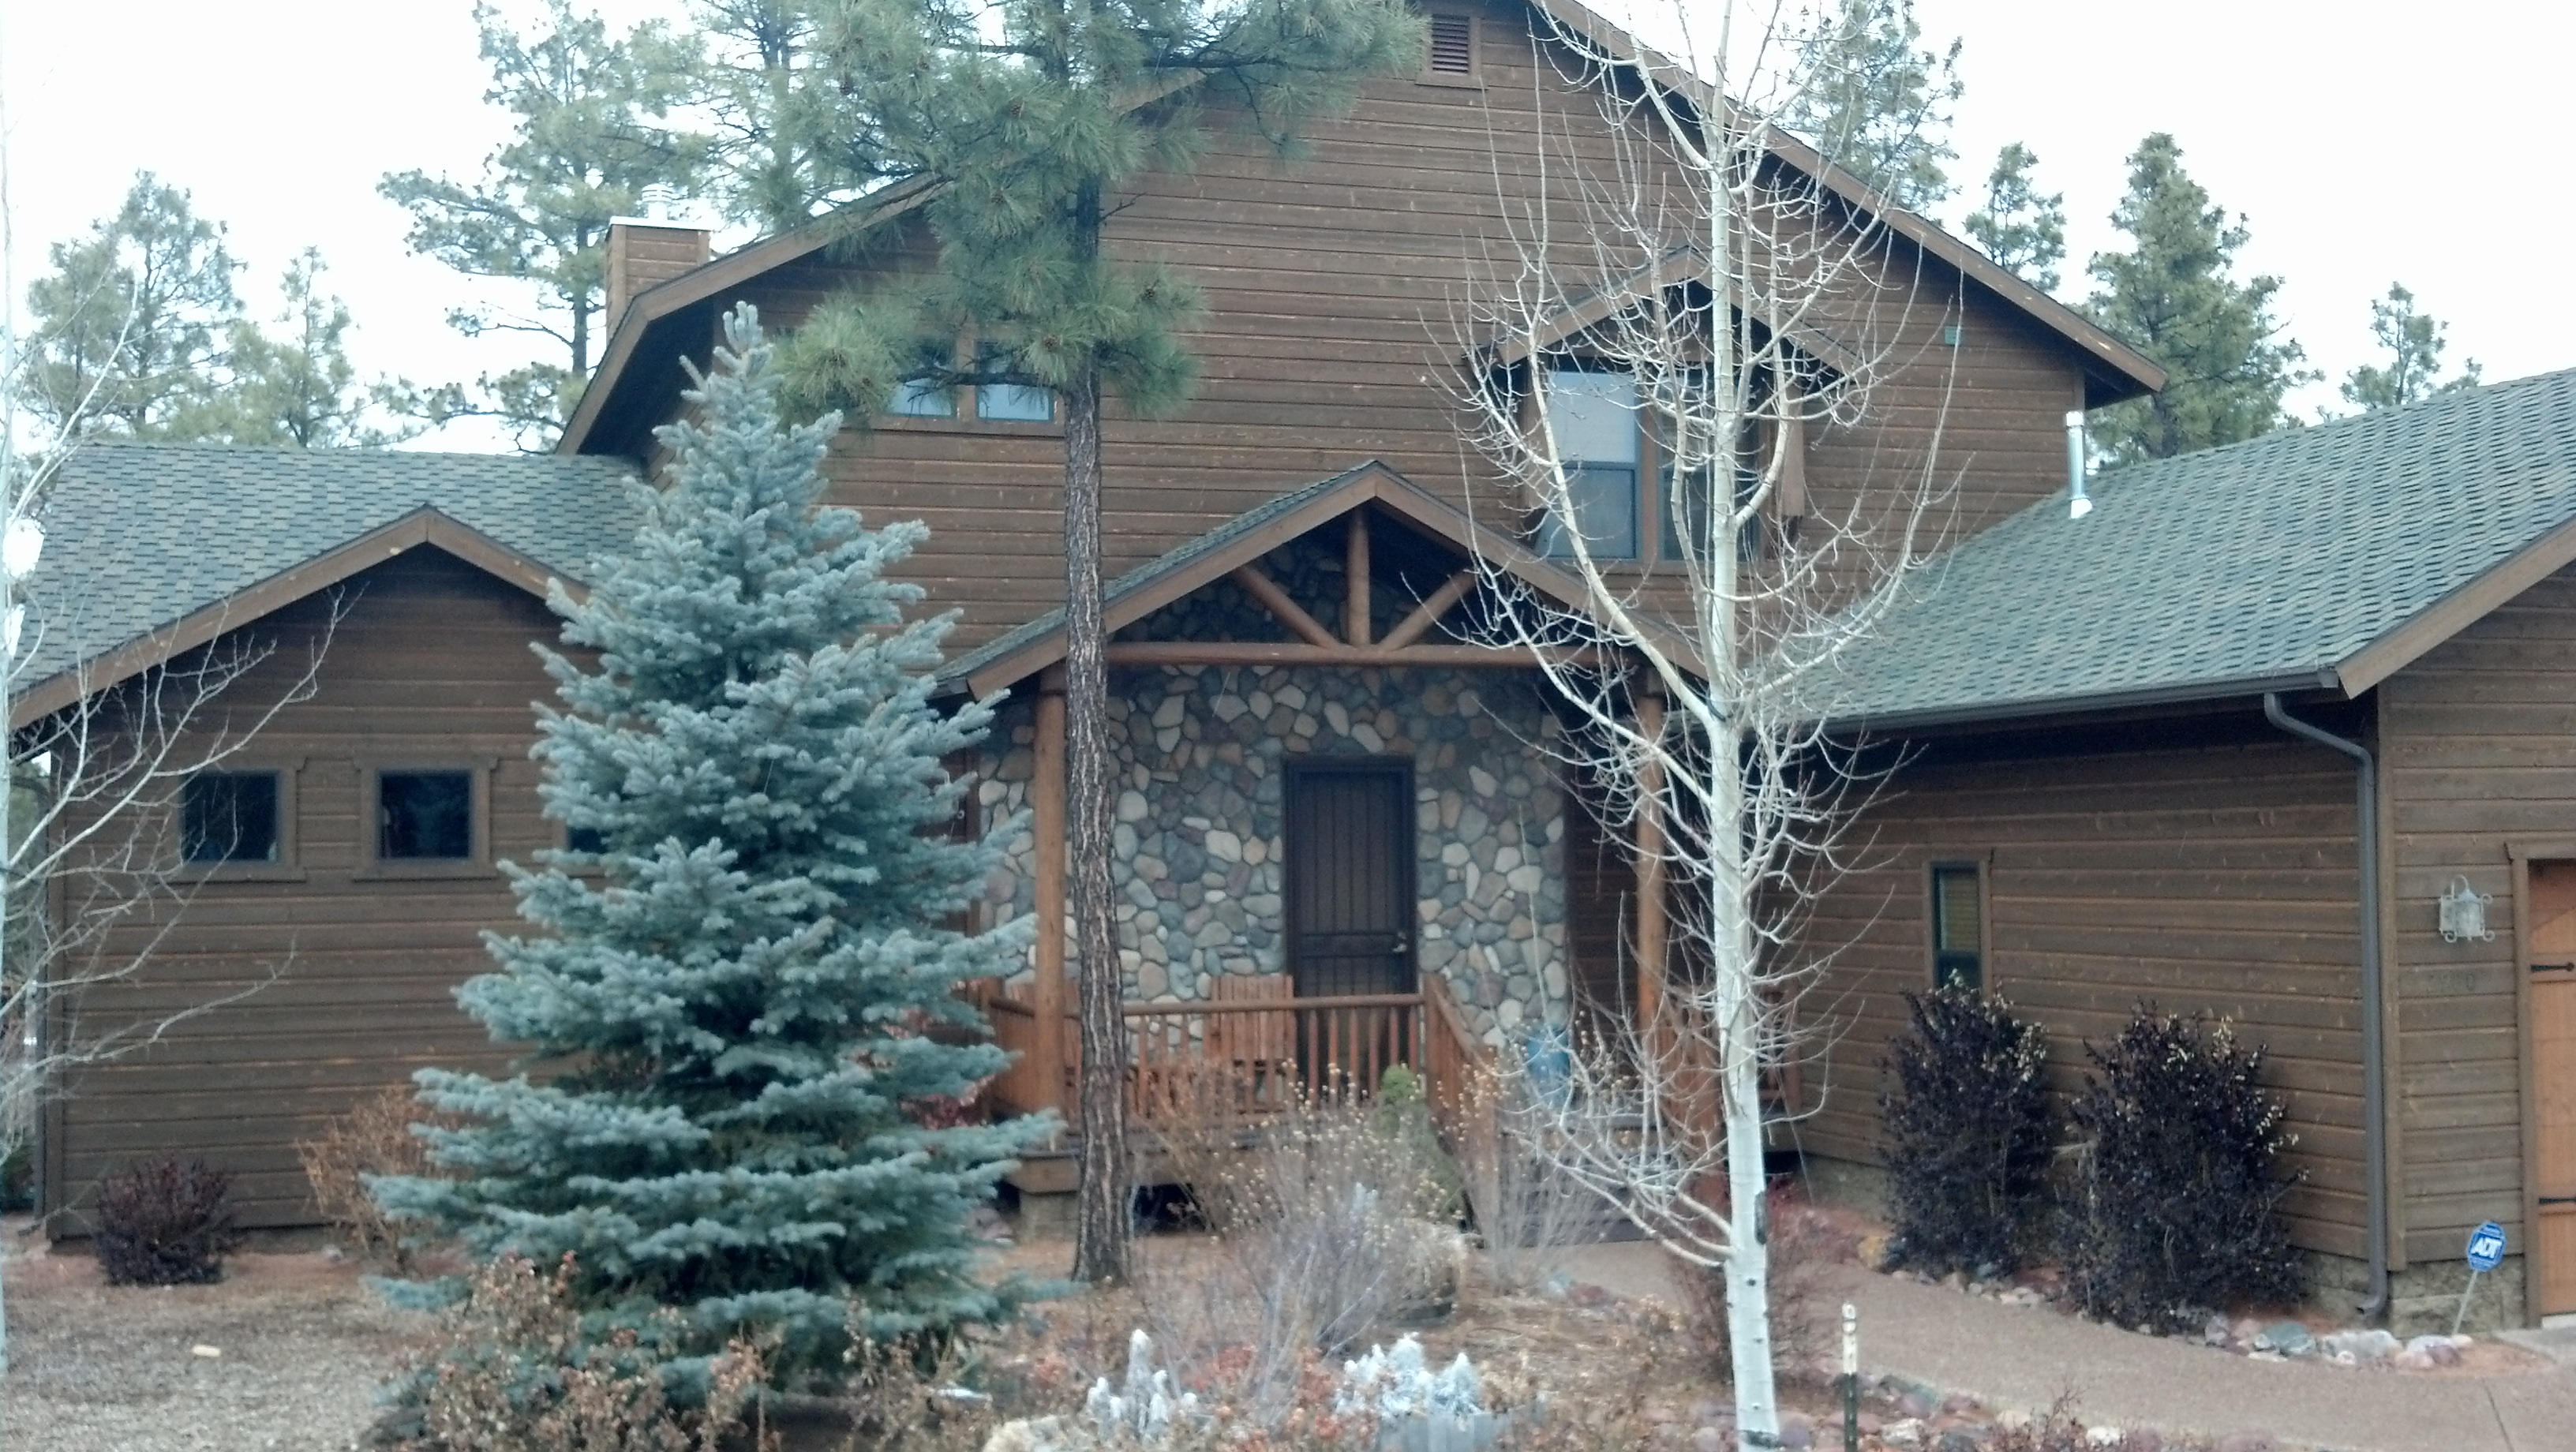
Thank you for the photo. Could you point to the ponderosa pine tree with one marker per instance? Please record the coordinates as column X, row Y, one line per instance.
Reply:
column 1029, row 116
column 745, row 976
column 2415, row 344
column 2172, row 297
column 590, row 135
column 2021, row 227
column 1877, row 103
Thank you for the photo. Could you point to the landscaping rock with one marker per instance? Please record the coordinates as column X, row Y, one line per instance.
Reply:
column 1797, row 1430
column 1907, row 1433
column 2433, row 1351
column 1957, row 1439
column 2213, row 1332
column 2289, row 1338
column 2362, row 1346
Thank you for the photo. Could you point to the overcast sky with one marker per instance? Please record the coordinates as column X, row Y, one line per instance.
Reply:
column 2365, row 143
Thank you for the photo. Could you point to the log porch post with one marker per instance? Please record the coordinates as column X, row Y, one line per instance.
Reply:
column 1355, row 569
column 1651, row 931
column 1047, row 809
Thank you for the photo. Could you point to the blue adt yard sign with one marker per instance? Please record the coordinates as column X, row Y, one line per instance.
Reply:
column 2486, row 1252
column 2486, row 1247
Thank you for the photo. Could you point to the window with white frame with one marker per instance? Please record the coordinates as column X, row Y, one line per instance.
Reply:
column 1593, row 415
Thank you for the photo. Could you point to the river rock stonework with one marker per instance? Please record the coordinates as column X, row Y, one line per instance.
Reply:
column 1201, row 766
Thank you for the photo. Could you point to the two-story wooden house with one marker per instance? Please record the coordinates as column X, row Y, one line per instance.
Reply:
column 1341, row 837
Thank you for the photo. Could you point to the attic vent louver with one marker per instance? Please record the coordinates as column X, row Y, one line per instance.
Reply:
column 1453, row 45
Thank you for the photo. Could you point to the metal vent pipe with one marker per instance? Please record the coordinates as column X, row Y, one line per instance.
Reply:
column 2078, row 504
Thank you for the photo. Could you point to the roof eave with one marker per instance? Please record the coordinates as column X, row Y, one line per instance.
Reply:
column 426, row 525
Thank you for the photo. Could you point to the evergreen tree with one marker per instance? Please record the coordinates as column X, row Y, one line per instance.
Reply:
column 2171, row 296
column 589, row 140
column 771, row 160
column 296, row 389
column 1876, row 102
column 2414, row 342
column 2020, row 227
column 1035, row 113
column 130, row 329
column 744, row 976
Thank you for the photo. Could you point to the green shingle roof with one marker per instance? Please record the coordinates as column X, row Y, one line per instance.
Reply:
column 2261, row 565
column 141, row 536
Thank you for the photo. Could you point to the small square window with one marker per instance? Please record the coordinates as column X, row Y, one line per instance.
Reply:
column 1958, row 926
column 1010, row 402
column 425, row 816
column 229, row 816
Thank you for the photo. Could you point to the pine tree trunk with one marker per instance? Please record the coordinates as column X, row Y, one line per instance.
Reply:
column 1101, row 1225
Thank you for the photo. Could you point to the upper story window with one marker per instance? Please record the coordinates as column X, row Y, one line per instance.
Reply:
column 1599, row 440
column 229, row 816
column 1453, row 45
column 920, row 398
column 1013, row 402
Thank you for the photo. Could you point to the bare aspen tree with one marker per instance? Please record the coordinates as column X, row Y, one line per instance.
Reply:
column 92, row 870
column 1704, row 294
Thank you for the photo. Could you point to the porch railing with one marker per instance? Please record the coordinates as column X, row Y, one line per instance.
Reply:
column 1242, row 1055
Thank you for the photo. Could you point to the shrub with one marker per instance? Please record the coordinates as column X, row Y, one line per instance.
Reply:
column 374, row 1138
column 1805, row 1247
column 164, row 1223
column 1324, row 1220
column 1531, row 1212
column 2174, row 1209
column 511, row 1372
column 1966, row 1132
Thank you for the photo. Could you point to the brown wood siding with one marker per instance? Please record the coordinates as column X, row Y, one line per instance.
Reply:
column 2201, row 865
column 429, row 667
column 1329, row 283
column 2481, row 743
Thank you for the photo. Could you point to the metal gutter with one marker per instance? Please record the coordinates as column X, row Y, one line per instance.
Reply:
column 2374, row 1060
column 2321, row 679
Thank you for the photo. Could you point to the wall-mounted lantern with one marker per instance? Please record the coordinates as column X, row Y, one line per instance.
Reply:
column 2464, row 914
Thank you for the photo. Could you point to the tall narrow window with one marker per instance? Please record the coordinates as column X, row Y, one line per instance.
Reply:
column 1958, row 926
column 1023, row 402
column 229, row 816
column 1453, row 45
column 1594, row 418
column 425, row 816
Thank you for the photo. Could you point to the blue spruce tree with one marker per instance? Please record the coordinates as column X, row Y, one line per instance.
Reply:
column 747, row 971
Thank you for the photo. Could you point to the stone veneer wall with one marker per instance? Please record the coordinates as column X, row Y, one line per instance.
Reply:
column 1201, row 762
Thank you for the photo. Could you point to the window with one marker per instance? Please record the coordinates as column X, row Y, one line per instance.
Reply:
column 1594, row 418
column 922, row 397
column 229, row 816
column 425, row 816
column 1010, row 402
column 1453, row 45
column 1958, row 925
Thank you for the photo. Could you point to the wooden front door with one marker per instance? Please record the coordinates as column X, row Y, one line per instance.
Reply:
column 2553, row 1083
column 1350, row 877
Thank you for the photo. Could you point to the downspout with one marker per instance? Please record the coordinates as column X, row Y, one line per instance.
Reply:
column 2374, row 1061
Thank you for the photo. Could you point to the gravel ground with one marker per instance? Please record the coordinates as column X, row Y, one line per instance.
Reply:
column 98, row 1369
